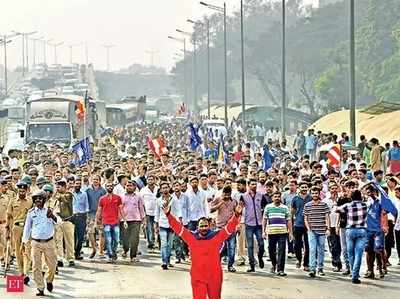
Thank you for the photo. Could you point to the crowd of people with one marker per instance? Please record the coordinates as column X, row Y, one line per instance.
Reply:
column 293, row 201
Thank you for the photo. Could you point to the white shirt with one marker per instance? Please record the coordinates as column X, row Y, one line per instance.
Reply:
column 119, row 190
column 332, row 206
column 197, row 204
column 149, row 199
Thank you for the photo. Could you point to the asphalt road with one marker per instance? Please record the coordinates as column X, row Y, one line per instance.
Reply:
column 98, row 279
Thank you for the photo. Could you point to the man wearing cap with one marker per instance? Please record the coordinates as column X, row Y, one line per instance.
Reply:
column 39, row 226
column 66, row 232
column 16, row 214
column 33, row 173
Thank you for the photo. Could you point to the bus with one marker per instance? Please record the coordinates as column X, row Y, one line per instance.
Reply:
column 123, row 115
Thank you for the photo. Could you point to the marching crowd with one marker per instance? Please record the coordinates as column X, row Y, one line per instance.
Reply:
column 287, row 196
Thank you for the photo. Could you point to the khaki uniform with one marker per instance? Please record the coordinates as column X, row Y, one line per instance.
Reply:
column 42, row 248
column 17, row 210
column 4, row 199
column 62, row 205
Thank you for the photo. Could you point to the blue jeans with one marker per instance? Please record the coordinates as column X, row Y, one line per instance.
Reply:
column 355, row 240
column 316, row 243
column 229, row 249
column 250, row 232
column 167, row 239
column 150, row 231
column 111, row 236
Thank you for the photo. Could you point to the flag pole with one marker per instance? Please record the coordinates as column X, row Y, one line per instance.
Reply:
column 84, row 115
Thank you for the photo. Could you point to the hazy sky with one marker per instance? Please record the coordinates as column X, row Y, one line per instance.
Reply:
column 134, row 26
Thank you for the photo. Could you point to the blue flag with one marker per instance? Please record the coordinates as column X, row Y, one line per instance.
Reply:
column 267, row 157
column 83, row 152
column 195, row 139
column 386, row 203
column 222, row 153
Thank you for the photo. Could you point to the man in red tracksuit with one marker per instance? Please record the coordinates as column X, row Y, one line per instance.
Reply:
column 205, row 246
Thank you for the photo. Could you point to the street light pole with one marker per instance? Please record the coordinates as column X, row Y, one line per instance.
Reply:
column 45, row 43
column 55, row 45
column 108, row 47
column 243, row 75
column 5, row 41
column 223, row 11
column 183, row 40
column 86, row 53
column 208, row 71
column 34, row 48
column 225, row 70
column 283, row 108
column 195, row 104
column 352, row 77
column 208, row 64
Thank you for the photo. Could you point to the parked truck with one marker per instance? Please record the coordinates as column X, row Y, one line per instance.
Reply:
column 54, row 120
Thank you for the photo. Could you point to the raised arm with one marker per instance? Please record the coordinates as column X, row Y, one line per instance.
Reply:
column 176, row 226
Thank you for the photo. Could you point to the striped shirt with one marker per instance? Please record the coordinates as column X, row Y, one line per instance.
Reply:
column 277, row 217
column 316, row 216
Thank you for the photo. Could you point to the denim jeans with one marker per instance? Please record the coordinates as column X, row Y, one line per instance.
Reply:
column 178, row 246
column 229, row 249
column 167, row 239
column 111, row 235
column 80, row 230
column 317, row 250
column 150, row 231
column 355, row 239
column 277, row 250
column 250, row 232
column 343, row 245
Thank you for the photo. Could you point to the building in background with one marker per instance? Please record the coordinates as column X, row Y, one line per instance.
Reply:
column 323, row 3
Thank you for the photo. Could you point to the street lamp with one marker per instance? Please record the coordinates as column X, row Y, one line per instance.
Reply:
column 283, row 109
column 45, row 43
column 352, row 77
column 6, row 39
column 108, row 47
column 71, row 46
column 208, row 64
column 55, row 45
column 242, row 55
column 34, row 48
column 223, row 11
column 195, row 103
column 24, row 36
column 183, row 40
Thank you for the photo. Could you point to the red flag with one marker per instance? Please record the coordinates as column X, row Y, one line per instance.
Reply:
column 334, row 155
column 182, row 109
column 157, row 146
column 80, row 111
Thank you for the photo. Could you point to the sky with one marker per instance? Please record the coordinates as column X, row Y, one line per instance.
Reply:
column 133, row 26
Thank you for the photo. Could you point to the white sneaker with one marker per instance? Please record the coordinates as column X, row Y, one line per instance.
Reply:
column 135, row 260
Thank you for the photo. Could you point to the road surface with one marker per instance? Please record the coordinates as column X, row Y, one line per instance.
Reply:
column 98, row 279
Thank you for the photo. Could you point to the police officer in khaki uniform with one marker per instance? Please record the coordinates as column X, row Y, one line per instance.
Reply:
column 65, row 233
column 17, row 210
column 39, row 226
column 4, row 199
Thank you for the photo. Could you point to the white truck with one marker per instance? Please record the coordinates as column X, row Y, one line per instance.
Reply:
column 53, row 120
